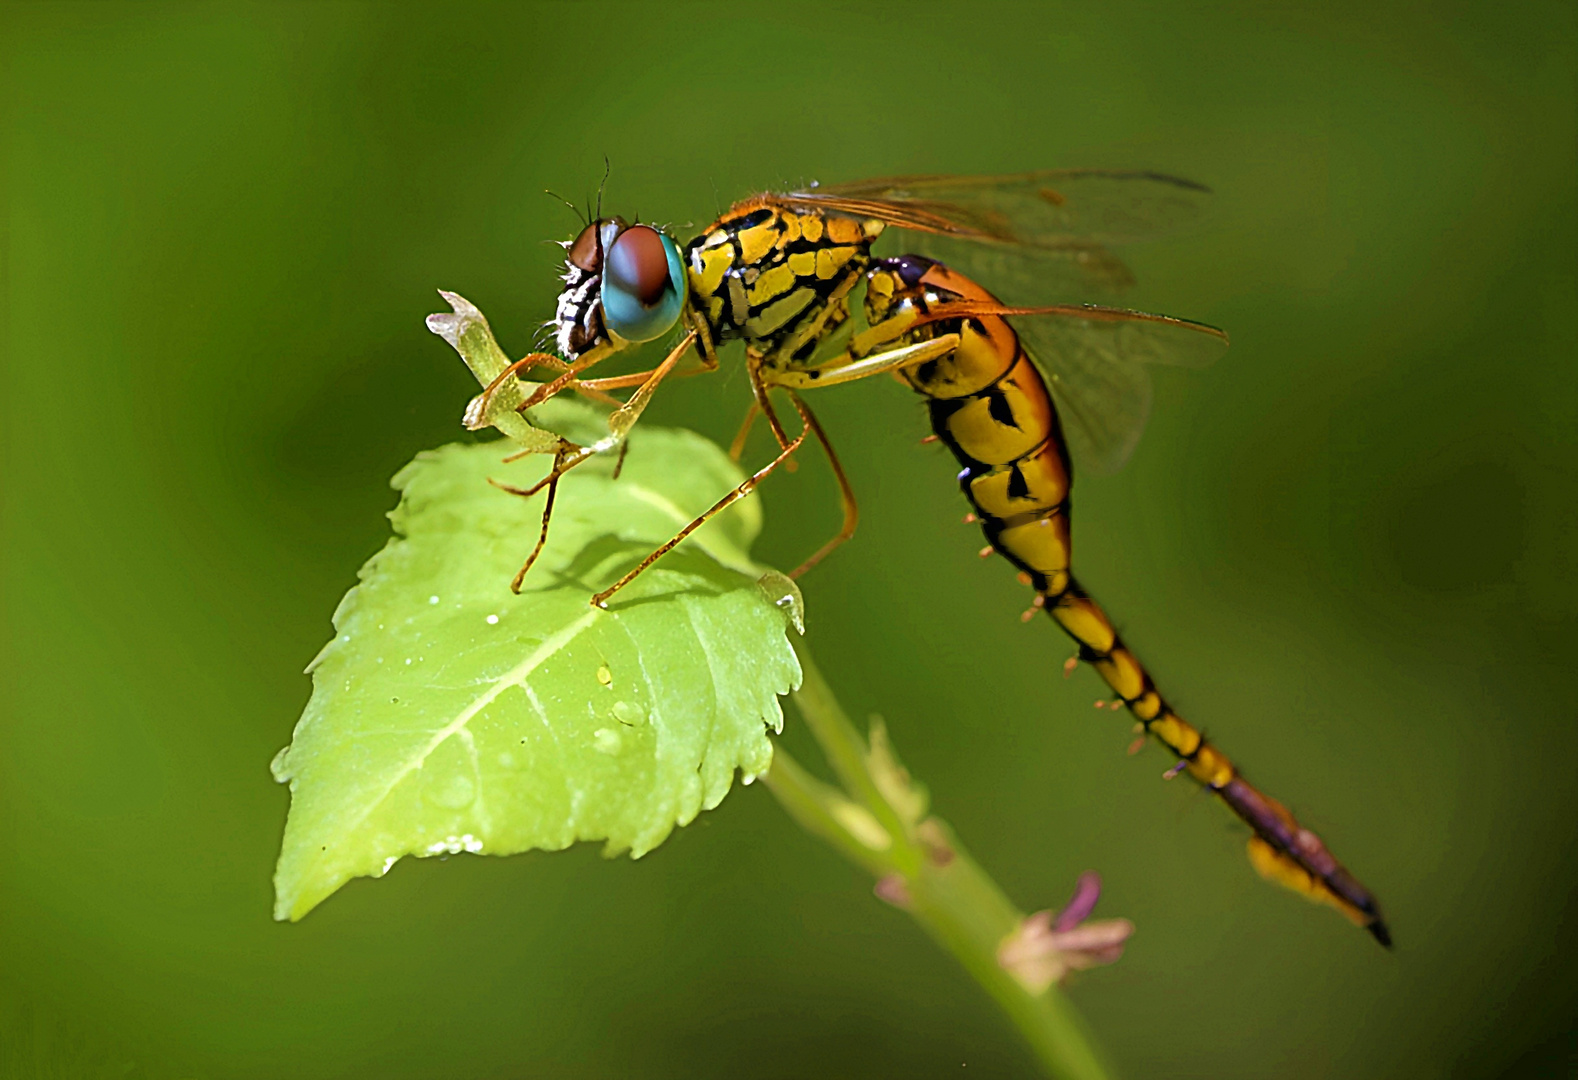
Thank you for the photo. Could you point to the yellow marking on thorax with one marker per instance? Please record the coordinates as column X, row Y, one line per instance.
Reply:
column 811, row 227
column 756, row 242
column 843, row 230
column 830, row 261
column 778, row 313
column 778, row 281
column 707, row 266
column 739, row 306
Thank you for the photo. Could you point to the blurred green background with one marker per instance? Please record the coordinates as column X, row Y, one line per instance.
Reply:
column 1349, row 550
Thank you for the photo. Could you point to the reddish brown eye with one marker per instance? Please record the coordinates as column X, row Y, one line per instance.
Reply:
column 638, row 264
column 585, row 252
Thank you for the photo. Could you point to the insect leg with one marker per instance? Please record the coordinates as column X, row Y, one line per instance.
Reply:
column 832, row 314
column 621, row 382
column 566, row 448
column 622, row 419
column 744, row 489
column 573, row 456
column 753, row 368
column 566, row 377
column 481, row 405
column 846, row 492
column 850, row 366
column 737, row 447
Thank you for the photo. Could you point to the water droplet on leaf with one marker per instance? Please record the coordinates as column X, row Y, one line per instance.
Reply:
column 785, row 596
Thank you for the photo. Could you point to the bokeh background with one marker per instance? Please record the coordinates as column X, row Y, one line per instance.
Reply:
column 1349, row 550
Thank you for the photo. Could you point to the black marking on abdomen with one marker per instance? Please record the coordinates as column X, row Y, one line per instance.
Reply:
column 1018, row 486
column 999, row 409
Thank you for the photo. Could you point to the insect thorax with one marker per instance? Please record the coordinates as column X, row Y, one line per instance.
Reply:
column 777, row 278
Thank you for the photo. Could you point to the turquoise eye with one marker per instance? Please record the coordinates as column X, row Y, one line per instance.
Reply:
column 643, row 284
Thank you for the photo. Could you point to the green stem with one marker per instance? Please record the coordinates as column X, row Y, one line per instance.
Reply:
column 943, row 888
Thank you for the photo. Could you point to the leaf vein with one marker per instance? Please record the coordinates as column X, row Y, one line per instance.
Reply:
column 517, row 676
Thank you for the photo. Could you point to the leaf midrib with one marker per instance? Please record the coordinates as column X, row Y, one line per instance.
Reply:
column 516, row 676
column 521, row 672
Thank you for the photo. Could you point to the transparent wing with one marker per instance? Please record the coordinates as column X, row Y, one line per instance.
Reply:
column 1028, row 275
column 1034, row 236
column 1096, row 360
column 1041, row 209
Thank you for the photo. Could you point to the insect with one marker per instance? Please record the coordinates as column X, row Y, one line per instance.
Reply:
column 777, row 272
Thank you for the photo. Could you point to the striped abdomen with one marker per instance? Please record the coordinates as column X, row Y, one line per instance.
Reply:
column 990, row 405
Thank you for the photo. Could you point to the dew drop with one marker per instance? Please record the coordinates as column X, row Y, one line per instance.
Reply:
column 629, row 713
column 607, row 741
column 279, row 766
column 605, row 676
column 432, row 599
column 454, row 845
column 493, row 620
column 784, row 595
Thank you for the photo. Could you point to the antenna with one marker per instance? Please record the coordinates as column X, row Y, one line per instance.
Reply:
column 576, row 210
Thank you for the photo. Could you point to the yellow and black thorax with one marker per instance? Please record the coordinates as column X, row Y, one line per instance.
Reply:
column 775, row 277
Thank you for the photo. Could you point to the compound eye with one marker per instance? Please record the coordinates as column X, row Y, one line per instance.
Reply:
column 586, row 253
column 638, row 264
column 643, row 284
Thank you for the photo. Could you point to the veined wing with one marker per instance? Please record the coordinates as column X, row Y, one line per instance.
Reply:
column 1030, row 234
column 1096, row 359
column 1045, row 209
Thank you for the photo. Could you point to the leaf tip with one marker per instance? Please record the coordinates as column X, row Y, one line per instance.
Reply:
column 450, row 324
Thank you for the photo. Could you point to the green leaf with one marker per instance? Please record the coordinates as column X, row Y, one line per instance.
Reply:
column 467, row 331
column 450, row 715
